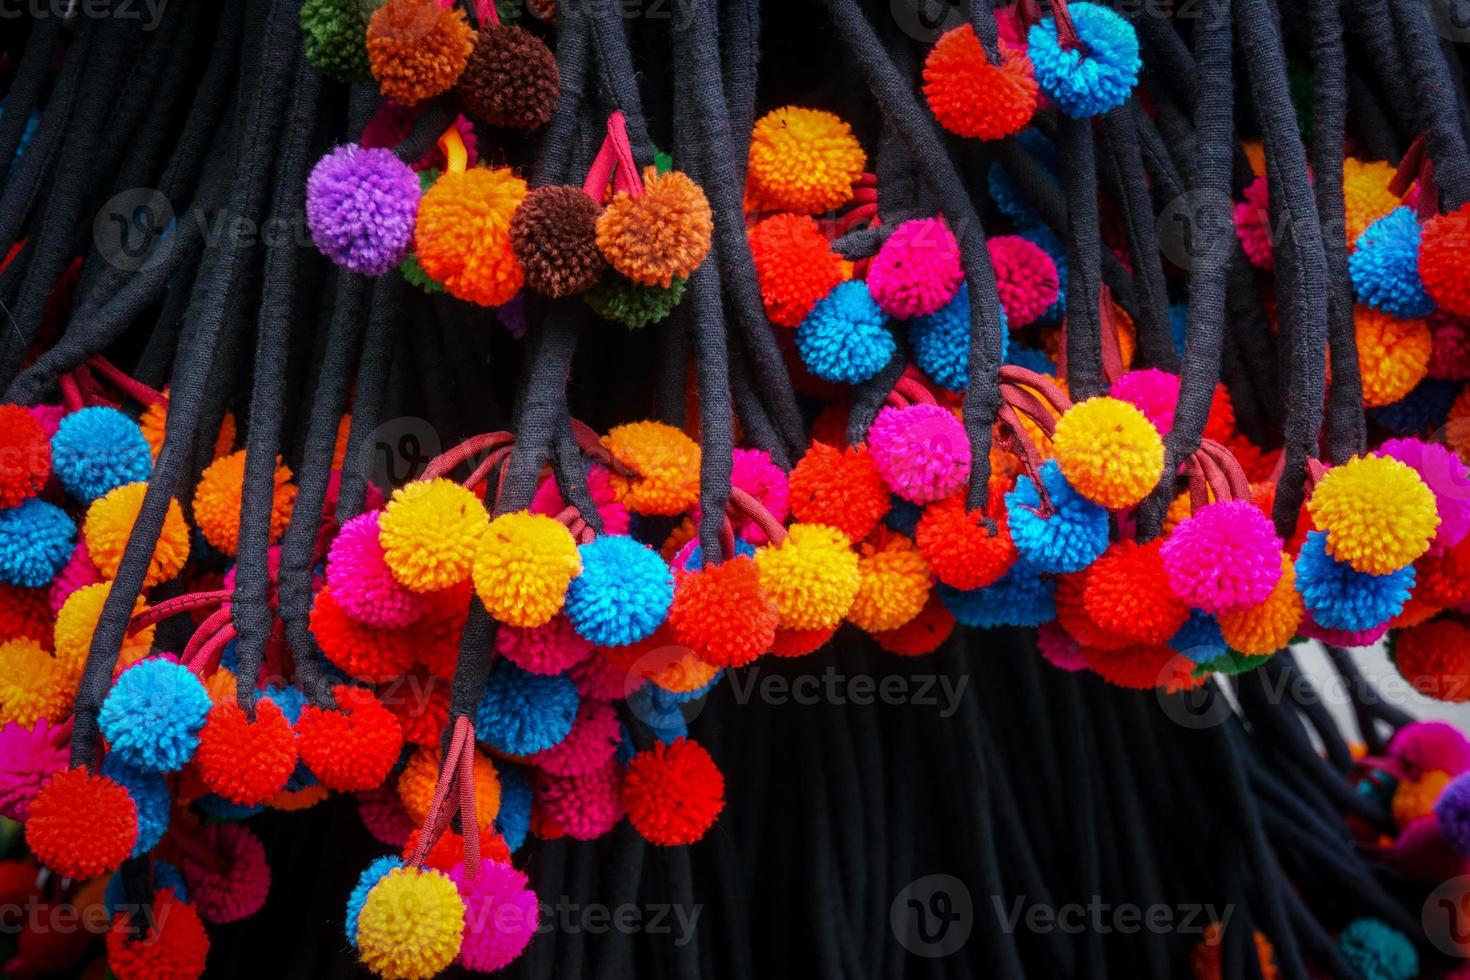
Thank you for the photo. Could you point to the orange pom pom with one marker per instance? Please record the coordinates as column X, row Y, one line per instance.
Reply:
column 353, row 748
column 673, row 793
column 462, row 236
column 25, row 455
column 802, row 160
column 962, row 551
column 417, row 49
column 1128, row 594
column 659, row 235
column 721, row 613
column 217, row 501
column 82, row 824
column 893, row 583
column 244, row 761
column 840, row 488
column 366, row 652
column 666, row 462
column 417, row 781
column 794, row 265
column 174, row 945
column 1141, row 668
column 1393, row 354
column 970, row 96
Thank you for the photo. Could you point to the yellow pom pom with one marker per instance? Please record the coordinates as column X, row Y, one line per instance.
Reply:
column 802, row 160
column 110, row 520
column 77, row 621
column 667, row 464
column 217, row 501
column 1109, row 451
column 1393, row 354
column 420, row 775
column 1378, row 515
column 1270, row 626
column 33, row 684
column 1366, row 196
column 1414, row 798
column 523, row 566
column 893, row 583
column 429, row 532
column 812, row 577
column 410, row 925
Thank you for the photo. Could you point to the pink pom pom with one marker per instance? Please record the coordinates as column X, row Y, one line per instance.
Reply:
column 1424, row 746
column 1450, row 359
column 383, row 815
column 590, row 744
column 500, row 915
column 1444, row 473
column 361, row 581
column 48, row 417
column 77, row 573
column 28, row 757
column 586, row 805
column 600, row 679
column 1059, row 648
column 615, row 519
column 921, row 451
column 238, row 888
column 755, row 473
column 1341, row 638
column 1422, row 853
column 1152, row 392
column 917, row 270
column 1224, row 558
column 1253, row 223
column 548, row 649
column 1025, row 277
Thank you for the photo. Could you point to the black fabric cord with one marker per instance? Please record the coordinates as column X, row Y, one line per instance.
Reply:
column 1084, row 261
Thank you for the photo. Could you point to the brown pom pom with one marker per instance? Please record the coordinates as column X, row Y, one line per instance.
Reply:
column 510, row 79
column 417, row 49
column 661, row 235
column 554, row 236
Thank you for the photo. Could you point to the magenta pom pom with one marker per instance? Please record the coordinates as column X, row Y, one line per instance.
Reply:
column 361, row 581
column 235, row 890
column 1444, row 473
column 1025, row 277
column 360, row 207
column 384, row 816
column 600, row 679
column 1224, row 558
column 1058, row 647
column 393, row 122
column 500, row 915
column 548, row 649
column 1422, row 853
column 615, row 518
column 591, row 742
column 1152, row 392
column 1424, row 746
column 77, row 573
column 28, row 757
column 917, row 270
column 921, row 451
column 586, row 805
column 1253, row 223
column 1341, row 638
column 755, row 473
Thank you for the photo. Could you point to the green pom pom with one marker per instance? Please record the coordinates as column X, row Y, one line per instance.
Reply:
column 336, row 37
column 633, row 304
column 1231, row 663
column 413, row 273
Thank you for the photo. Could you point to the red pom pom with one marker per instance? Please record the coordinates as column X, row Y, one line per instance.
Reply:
column 1444, row 580
column 1141, row 667
column 25, row 456
column 799, row 643
column 1444, row 254
column 721, row 613
column 673, row 793
column 82, row 824
column 353, row 748
column 1127, row 594
column 246, row 762
column 1072, row 614
column 920, row 635
column 448, row 850
column 420, row 703
column 961, row 551
column 167, row 944
column 970, row 96
column 366, row 652
column 840, row 488
column 1434, row 657
column 794, row 265
column 25, row 612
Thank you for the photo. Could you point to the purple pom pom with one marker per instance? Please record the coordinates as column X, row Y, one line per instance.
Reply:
column 360, row 207
column 1453, row 810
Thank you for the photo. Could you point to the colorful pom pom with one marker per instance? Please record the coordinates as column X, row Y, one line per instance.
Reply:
column 510, row 78
column 410, row 924
column 845, row 338
column 1444, row 250
column 673, row 793
column 840, row 488
column 660, row 235
column 462, row 235
column 109, row 525
column 417, row 49
column 721, row 613
column 812, row 577
column 217, row 502
column 352, row 748
column 553, row 234
column 82, row 824
column 173, row 942
column 622, row 593
column 523, row 568
column 430, row 531
column 1224, row 558
column 1385, row 266
column 666, row 464
column 964, row 549
column 521, row 713
column 1378, row 514
column 1025, row 278
column 360, row 208
column 917, row 269
column 972, row 97
column 1108, row 450
column 1067, row 538
column 921, row 451
column 36, row 542
column 25, row 456
column 97, row 449
column 794, row 265
column 802, row 160
column 242, row 760
column 1094, row 76
column 1341, row 598
column 152, row 716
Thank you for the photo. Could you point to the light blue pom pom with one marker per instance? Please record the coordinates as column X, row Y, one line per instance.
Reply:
column 1377, row 951
column 98, row 449
column 941, row 341
column 845, row 337
column 1067, row 540
column 1340, row 597
column 521, row 712
column 153, row 714
column 370, row 876
column 1020, row 597
column 1384, row 267
column 622, row 594
column 36, row 540
column 1094, row 77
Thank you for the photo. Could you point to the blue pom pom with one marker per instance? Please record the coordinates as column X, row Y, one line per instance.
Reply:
column 1031, row 359
column 1200, row 638
column 223, row 809
column 36, row 540
column 1043, row 238
column 514, row 819
column 1377, row 951
column 99, row 449
column 289, row 699
column 1421, row 411
column 1094, row 77
column 1008, row 198
column 1020, row 597
column 370, row 876
column 153, row 714
column 150, row 795
column 941, row 341
column 623, row 593
column 1178, row 325
column 695, row 558
column 626, row 749
column 845, row 337
column 301, row 777
column 1067, row 540
column 903, row 515
column 1340, row 597
column 521, row 712
column 659, row 710
column 1385, row 266
column 161, row 875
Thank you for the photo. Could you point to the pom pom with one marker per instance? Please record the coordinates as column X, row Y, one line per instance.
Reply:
column 514, row 820
column 36, row 541
column 501, row 915
column 1020, row 597
column 462, row 237
column 246, row 762
column 941, row 342
column 1224, row 558
column 893, row 583
column 1094, row 76
column 1393, row 354
column 1156, row 393
column 150, row 794
column 753, row 471
column 917, row 269
column 1423, row 746
column 802, row 160
column 360, row 580
column 659, row 235
column 1341, row 598
column 217, row 502
column 1058, row 648
column 29, row 756
column 77, row 621
column 109, row 524
column 1365, row 194
column 1385, row 266
column 1446, row 476
column 615, row 519
column 623, row 592
column 98, row 449
column 239, row 887
column 172, row 943
column 794, row 265
column 82, row 824
column 352, row 748
column 721, row 613
column 360, row 208
column 1128, row 595
column 963, row 549
column 25, row 456
column 634, row 306
column 152, row 716
column 920, row 635
column 1453, row 812
column 594, row 737
column 1267, row 627
column 812, row 577
column 1413, row 799
column 417, row 49
column 1253, row 223
column 844, row 338
column 1377, row 951
column 33, row 684
column 548, row 649
column 1108, row 450
column 584, row 806
column 362, row 651
column 416, row 785
column 410, row 924
column 921, row 451
column 840, row 488
column 1025, row 277
column 370, row 876
column 1378, row 514
column 523, row 567
column 510, row 79
column 1140, row 668
column 1434, row 658
column 27, row 613
column 430, row 531
column 673, row 793
column 666, row 464
column 1444, row 250
column 970, row 96
column 522, row 713
column 1067, row 539
column 336, row 34
column 553, row 234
